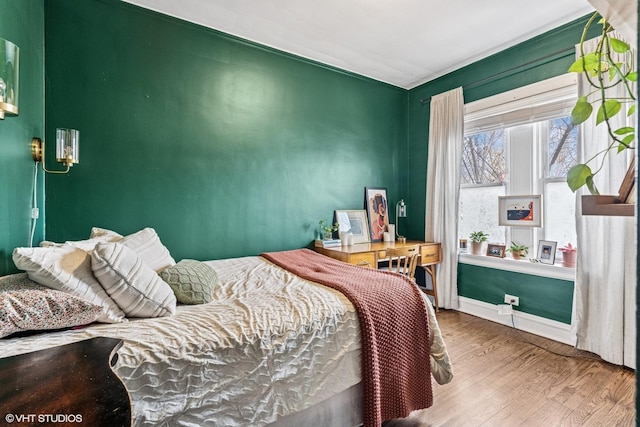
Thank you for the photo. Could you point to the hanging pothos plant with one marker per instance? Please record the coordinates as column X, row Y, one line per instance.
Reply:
column 603, row 70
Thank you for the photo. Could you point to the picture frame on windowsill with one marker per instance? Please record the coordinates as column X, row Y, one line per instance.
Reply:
column 547, row 252
column 520, row 211
column 497, row 251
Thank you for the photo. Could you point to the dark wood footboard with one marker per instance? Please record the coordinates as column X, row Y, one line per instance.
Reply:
column 72, row 384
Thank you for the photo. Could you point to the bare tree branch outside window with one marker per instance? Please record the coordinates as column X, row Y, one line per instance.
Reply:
column 483, row 158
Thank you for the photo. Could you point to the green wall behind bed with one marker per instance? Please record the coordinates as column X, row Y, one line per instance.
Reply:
column 225, row 147
column 21, row 23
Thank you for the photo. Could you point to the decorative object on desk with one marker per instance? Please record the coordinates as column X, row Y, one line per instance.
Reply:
column 497, row 251
column 477, row 238
column 354, row 222
column 327, row 243
column 520, row 211
column 392, row 233
column 547, row 251
column 518, row 251
column 569, row 255
column 326, row 231
column 375, row 202
column 401, row 212
column 609, row 71
column 9, row 78
column 67, row 149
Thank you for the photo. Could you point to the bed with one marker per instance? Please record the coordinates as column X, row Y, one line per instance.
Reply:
column 268, row 348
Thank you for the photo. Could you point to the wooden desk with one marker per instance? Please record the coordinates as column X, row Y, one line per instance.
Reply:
column 71, row 384
column 370, row 254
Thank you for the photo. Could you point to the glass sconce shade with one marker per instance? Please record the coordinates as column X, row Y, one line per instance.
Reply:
column 9, row 78
column 401, row 209
column 67, row 146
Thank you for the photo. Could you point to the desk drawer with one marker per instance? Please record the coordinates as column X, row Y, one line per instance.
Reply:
column 365, row 259
column 382, row 255
column 430, row 254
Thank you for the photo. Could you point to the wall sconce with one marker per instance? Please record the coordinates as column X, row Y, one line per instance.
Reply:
column 67, row 149
column 401, row 212
column 9, row 74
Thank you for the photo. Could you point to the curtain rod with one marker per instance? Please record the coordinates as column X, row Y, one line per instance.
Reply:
column 562, row 52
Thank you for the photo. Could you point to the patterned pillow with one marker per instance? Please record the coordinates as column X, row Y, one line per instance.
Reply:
column 192, row 281
column 26, row 306
column 68, row 269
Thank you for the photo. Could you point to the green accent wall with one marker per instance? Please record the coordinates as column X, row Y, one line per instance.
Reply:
column 20, row 23
column 540, row 296
column 225, row 147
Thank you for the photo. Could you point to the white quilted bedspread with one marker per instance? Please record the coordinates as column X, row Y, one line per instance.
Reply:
column 269, row 344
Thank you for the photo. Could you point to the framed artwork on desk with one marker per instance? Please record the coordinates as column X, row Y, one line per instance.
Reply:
column 354, row 222
column 375, row 202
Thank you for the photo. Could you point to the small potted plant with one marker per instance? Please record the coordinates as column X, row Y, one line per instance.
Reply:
column 326, row 230
column 569, row 255
column 518, row 251
column 477, row 238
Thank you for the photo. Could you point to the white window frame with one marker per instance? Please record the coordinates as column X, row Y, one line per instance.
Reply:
column 533, row 103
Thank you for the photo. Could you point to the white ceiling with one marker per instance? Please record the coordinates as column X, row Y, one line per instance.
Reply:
column 401, row 42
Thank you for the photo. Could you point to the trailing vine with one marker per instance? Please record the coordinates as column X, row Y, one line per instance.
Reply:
column 603, row 72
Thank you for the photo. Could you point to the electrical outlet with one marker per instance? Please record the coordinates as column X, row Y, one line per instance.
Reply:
column 511, row 300
column 505, row 309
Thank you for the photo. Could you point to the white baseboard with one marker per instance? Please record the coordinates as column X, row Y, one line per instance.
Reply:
column 537, row 325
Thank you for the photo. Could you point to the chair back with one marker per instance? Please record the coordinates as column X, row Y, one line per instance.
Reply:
column 404, row 260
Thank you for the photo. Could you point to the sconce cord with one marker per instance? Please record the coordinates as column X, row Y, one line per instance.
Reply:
column 34, row 218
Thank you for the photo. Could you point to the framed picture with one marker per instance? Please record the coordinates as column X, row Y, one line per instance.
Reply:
column 375, row 202
column 354, row 222
column 520, row 211
column 547, row 251
column 497, row 251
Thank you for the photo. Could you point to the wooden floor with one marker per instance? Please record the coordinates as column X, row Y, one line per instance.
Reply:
column 500, row 379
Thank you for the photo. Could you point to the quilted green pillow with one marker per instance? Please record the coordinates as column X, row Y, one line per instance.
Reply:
column 192, row 281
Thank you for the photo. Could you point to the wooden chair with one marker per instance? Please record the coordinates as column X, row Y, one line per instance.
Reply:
column 404, row 260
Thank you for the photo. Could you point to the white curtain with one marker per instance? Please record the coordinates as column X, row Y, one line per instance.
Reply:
column 446, row 133
column 606, row 271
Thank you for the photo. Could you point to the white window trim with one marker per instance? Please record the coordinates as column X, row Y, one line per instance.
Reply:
column 555, row 271
column 558, row 90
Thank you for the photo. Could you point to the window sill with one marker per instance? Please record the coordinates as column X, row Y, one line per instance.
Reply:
column 520, row 266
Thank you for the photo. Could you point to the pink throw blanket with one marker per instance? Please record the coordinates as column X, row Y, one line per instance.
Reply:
column 396, row 371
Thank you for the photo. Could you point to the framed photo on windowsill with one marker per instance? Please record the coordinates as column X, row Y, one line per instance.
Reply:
column 497, row 251
column 520, row 211
column 547, row 251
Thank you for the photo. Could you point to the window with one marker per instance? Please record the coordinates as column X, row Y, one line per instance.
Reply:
column 516, row 143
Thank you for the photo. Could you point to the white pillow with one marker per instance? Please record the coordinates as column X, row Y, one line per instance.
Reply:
column 132, row 284
column 101, row 232
column 88, row 244
column 68, row 269
column 149, row 248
